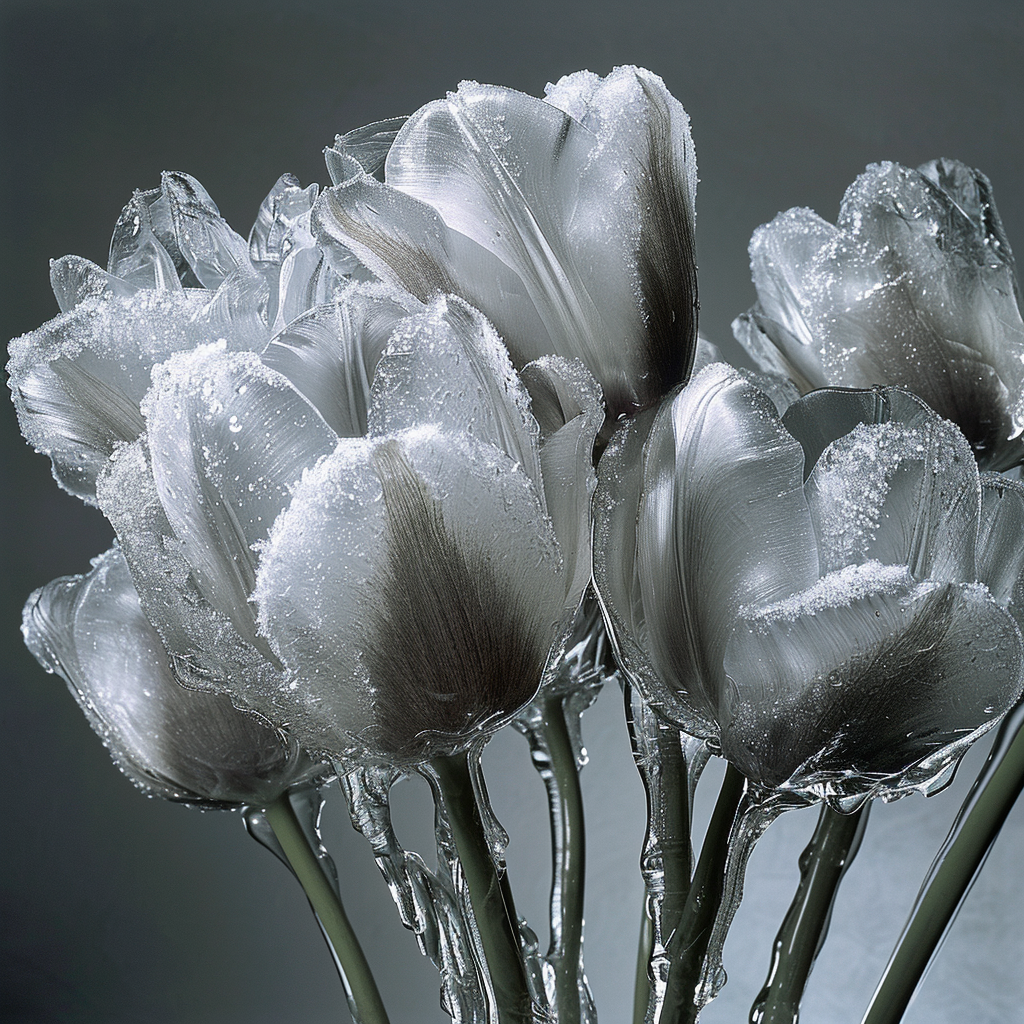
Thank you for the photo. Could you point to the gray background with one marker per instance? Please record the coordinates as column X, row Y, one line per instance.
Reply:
column 117, row 908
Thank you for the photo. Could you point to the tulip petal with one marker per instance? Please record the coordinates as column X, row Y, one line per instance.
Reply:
column 136, row 253
column 74, row 279
column 330, row 354
column 406, row 244
column 448, row 367
column 720, row 475
column 206, row 651
column 780, row 331
column 825, row 415
column 413, row 588
column 616, row 580
column 566, row 400
column 211, row 248
column 368, row 146
column 283, row 213
column 634, row 116
column 900, row 495
column 78, row 380
column 228, row 439
column 866, row 680
column 171, row 742
column 1000, row 536
column 582, row 217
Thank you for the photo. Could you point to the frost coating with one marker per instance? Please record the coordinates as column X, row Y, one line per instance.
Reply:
column 915, row 285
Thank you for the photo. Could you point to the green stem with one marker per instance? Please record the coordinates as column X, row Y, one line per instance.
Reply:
column 363, row 997
column 689, row 944
column 822, row 866
column 952, row 874
column 568, row 854
column 496, row 921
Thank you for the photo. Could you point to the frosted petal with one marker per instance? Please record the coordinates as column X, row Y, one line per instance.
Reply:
column 413, row 588
column 448, row 367
column 205, row 649
column 780, row 332
column 1001, row 540
column 853, row 686
column 136, row 253
column 169, row 741
column 211, row 248
column 901, row 495
column 228, row 438
column 368, row 146
column 330, row 354
column 634, row 116
column 78, row 380
column 74, row 279
column 566, row 400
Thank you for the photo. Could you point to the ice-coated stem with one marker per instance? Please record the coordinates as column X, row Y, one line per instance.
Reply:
column 496, row 920
column 669, row 764
column 364, row 999
column 554, row 757
column 642, row 984
column 688, row 945
column 823, row 863
column 953, row 872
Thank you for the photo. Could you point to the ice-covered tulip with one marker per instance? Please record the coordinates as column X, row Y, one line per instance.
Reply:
column 178, row 277
column 822, row 595
column 568, row 221
column 171, row 742
column 915, row 286
column 422, row 578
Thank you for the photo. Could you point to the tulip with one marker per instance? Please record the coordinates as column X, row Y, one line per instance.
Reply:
column 567, row 221
column 178, row 277
column 171, row 742
column 817, row 595
column 914, row 286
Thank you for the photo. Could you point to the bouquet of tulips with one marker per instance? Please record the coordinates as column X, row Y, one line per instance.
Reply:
column 438, row 450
